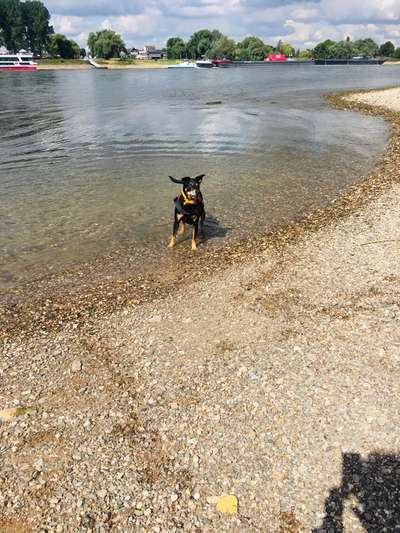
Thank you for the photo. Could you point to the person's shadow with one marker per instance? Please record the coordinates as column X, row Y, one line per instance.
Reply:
column 373, row 486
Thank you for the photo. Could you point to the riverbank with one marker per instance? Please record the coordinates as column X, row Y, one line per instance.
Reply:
column 257, row 371
column 112, row 64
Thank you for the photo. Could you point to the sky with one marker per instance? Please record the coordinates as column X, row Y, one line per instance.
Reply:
column 302, row 23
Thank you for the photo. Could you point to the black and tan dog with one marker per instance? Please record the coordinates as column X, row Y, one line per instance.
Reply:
column 189, row 209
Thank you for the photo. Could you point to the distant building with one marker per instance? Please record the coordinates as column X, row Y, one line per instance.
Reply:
column 148, row 53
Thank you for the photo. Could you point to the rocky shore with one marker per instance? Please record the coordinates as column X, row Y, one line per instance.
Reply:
column 272, row 377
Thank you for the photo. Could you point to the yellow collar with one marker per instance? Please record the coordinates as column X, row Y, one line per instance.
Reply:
column 186, row 199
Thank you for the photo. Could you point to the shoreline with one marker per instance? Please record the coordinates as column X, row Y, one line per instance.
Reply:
column 270, row 372
column 46, row 307
column 110, row 66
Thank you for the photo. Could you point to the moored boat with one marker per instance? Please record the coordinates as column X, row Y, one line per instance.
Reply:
column 204, row 63
column 21, row 61
column 355, row 60
column 183, row 64
column 222, row 62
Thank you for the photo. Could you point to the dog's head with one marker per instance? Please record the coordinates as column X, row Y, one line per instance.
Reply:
column 190, row 186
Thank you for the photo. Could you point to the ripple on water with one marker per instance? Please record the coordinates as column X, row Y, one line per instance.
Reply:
column 84, row 157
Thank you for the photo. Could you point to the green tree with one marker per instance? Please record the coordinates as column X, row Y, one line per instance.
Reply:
column 223, row 47
column 305, row 54
column 61, row 46
column 201, row 42
column 387, row 49
column 396, row 53
column 321, row 51
column 82, row 53
column 366, row 47
column 176, row 48
column 11, row 25
column 341, row 50
column 287, row 49
column 106, row 44
column 35, row 18
column 252, row 49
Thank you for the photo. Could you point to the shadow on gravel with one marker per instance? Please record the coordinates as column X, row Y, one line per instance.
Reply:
column 371, row 486
column 213, row 229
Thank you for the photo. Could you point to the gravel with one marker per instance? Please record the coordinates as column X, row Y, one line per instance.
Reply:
column 257, row 381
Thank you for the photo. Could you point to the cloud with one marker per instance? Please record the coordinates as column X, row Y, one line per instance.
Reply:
column 302, row 22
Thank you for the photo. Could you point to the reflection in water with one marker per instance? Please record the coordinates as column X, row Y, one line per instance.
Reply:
column 84, row 156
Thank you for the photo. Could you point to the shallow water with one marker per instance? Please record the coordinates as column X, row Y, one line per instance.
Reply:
column 85, row 155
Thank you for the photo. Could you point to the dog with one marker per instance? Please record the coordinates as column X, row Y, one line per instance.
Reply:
column 189, row 209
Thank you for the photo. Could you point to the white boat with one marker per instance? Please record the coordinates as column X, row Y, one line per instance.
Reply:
column 23, row 60
column 183, row 64
column 204, row 63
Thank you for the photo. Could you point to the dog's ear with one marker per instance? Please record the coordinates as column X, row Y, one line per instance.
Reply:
column 199, row 179
column 175, row 180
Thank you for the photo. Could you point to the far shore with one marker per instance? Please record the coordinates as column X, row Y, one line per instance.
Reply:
column 112, row 65
column 268, row 371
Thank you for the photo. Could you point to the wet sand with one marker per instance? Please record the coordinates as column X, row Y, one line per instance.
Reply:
column 268, row 370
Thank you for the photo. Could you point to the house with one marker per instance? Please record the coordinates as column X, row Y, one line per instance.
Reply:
column 148, row 53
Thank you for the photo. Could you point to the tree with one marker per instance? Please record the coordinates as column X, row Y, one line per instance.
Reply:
column 35, row 18
column 224, row 48
column 305, row 54
column 61, row 46
column 387, row 49
column 396, row 53
column 176, row 48
column 201, row 42
column 252, row 49
column 322, row 49
column 82, row 53
column 366, row 47
column 341, row 50
column 106, row 44
column 287, row 49
column 11, row 25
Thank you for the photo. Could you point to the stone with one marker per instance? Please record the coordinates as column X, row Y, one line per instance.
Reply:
column 76, row 365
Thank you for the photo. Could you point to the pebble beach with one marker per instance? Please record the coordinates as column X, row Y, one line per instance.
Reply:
column 255, row 390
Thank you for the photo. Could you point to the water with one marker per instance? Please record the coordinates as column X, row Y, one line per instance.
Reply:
column 85, row 155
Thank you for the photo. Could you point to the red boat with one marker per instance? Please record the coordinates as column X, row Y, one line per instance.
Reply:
column 21, row 61
column 277, row 57
column 222, row 62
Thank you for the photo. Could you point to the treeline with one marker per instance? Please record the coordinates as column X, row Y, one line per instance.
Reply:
column 26, row 25
column 362, row 47
column 212, row 43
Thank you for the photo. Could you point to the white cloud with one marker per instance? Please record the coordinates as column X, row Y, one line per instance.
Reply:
column 303, row 23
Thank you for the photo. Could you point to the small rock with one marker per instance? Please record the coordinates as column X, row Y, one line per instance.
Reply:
column 155, row 318
column 102, row 493
column 39, row 465
column 76, row 365
column 174, row 497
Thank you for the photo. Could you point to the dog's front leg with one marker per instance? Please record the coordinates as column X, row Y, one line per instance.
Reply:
column 172, row 241
column 194, row 234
